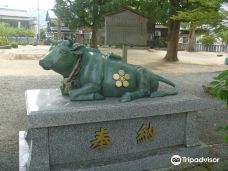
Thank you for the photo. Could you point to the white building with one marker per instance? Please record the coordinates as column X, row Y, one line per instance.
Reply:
column 17, row 18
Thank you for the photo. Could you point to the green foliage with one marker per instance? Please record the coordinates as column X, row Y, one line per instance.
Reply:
column 197, row 13
column 84, row 13
column 224, row 129
column 23, row 32
column 24, row 43
column 226, row 138
column 200, row 12
column 220, row 91
column 80, row 13
column 207, row 40
column 35, row 43
column 90, row 13
column 42, row 33
column 14, row 45
column 159, row 42
column 155, row 10
column 224, row 35
column 221, row 31
column 220, row 86
column 3, row 40
column 6, row 31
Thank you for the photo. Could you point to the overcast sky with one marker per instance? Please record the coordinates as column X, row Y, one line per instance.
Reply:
column 23, row 4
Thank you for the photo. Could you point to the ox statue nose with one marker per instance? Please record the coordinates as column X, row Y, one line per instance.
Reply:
column 44, row 65
column 41, row 62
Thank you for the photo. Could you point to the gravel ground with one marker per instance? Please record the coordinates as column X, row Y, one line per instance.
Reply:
column 13, row 114
column 22, row 60
column 16, row 76
column 13, row 111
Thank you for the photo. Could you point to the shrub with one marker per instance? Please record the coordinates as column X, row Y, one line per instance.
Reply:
column 219, row 87
column 224, row 129
column 14, row 45
column 207, row 40
column 3, row 41
column 224, row 36
column 160, row 42
column 24, row 43
column 35, row 43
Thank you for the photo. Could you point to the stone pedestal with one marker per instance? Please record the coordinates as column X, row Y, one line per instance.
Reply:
column 107, row 135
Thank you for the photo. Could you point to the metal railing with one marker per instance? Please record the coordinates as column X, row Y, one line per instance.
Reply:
column 200, row 47
column 22, row 39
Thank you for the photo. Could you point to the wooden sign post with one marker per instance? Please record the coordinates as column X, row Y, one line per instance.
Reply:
column 126, row 27
column 124, row 52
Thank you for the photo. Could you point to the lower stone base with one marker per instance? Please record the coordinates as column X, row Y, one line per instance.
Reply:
column 147, row 161
column 23, row 151
column 107, row 135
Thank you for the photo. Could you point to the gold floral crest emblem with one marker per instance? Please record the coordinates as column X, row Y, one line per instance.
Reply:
column 121, row 78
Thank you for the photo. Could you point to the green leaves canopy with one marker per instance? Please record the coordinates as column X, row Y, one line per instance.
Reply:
column 80, row 13
column 6, row 31
column 207, row 40
column 220, row 86
column 200, row 12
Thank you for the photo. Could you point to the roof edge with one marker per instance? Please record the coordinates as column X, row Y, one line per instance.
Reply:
column 125, row 9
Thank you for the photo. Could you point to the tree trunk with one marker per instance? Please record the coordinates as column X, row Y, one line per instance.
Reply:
column 93, row 43
column 191, row 40
column 173, row 39
column 58, row 22
column 59, row 33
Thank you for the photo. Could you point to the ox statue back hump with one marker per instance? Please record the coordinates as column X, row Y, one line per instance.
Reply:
column 90, row 75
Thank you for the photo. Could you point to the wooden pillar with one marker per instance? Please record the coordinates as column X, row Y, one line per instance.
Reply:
column 124, row 52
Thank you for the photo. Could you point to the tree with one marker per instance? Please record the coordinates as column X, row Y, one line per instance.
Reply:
column 196, row 12
column 89, row 13
column 42, row 33
column 4, row 30
column 207, row 40
column 222, row 32
column 160, row 12
column 199, row 12
column 85, row 13
column 58, row 23
column 224, row 35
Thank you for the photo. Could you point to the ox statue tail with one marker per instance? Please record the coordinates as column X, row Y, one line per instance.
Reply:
column 159, row 93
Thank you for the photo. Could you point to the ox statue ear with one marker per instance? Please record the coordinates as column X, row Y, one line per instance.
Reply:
column 70, row 42
column 77, row 52
column 78, row 47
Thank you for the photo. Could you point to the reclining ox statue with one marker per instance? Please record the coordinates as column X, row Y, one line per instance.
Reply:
column 90, row 75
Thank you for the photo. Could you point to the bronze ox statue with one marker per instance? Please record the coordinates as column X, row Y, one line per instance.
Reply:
column 90, row 75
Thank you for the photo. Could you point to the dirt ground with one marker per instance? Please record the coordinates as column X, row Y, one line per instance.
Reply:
column 23, row 60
